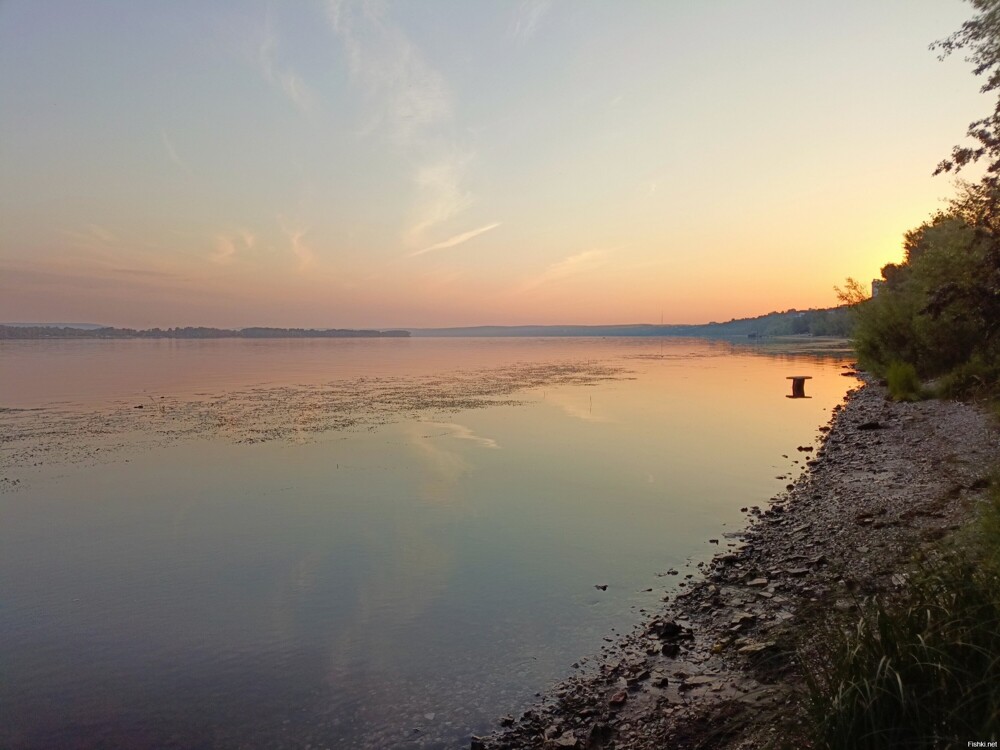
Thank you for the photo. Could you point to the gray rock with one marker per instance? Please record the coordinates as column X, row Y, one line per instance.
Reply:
column 566, row 740
column 752, row 649
column 617, row 700
column 696, row 682
column 742, row 619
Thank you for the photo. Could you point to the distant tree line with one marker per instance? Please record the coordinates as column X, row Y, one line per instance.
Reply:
column 822, row 322
column 196, row 332
column 833, row 321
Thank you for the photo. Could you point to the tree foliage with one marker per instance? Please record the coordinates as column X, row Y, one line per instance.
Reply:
column 852, row 293
column 979, row 37
column 939, row 310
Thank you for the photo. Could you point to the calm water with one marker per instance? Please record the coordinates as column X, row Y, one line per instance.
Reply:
column 398, row 582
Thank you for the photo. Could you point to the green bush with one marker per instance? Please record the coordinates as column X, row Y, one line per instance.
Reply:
column 973, row 378
column 884, row 332
column 903, row 382
column 940, row 309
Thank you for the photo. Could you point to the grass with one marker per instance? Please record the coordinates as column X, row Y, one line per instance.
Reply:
column 922, row 671
column 903, row 382
column 977, row 378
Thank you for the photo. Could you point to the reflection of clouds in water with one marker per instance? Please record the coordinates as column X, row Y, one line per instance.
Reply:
column 406, row 569
column 306, row 573
column 442, row 469
column 441, row 466
column 462, row 433
column 576, row 406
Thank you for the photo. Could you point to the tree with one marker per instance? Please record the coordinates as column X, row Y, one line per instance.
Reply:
column 980, row 37
column 939, row 310
column 853, row 293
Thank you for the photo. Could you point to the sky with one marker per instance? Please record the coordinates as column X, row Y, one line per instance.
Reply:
column 439, row 163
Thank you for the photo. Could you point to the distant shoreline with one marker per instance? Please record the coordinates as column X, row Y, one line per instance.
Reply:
column 834, row 322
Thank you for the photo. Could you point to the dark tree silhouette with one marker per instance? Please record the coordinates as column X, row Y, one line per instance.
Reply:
column 979, row 37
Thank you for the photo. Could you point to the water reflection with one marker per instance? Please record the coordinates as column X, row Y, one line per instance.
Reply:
column 458, row 432
column 577, row 405
column 381, row 584
column 442, row 463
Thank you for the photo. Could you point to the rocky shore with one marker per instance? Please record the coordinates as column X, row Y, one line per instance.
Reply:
column 717, row 667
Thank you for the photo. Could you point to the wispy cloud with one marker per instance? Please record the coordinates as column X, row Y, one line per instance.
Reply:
column 440, row 196
column 458, row 239
column 297, row 241
column 408, row 95
column 229, row 245
column 94, row 238
column 411, row 104
column 106, row 248
column 527, row 17
column 282, row 76
column 102, row 233
column 574, row 265
column 438, row 280
column 145, row 273
column 76, row 274
column 172, row 154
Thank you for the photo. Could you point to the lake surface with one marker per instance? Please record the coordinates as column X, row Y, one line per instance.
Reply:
column 358, row 543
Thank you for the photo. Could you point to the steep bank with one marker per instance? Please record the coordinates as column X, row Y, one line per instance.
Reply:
column 717, row 666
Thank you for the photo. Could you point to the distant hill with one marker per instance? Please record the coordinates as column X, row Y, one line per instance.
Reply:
column 834, row 321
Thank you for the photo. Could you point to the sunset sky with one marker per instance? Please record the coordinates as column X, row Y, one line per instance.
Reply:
column 342, row 164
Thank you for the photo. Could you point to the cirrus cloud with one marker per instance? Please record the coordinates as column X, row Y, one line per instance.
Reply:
column 574, row 265
column 457, row 239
